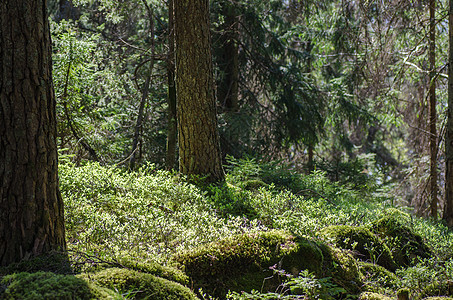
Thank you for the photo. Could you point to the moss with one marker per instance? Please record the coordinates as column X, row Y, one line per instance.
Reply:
column 363, row 242
column 342, row 268
column 55, row 262
column 377, row 278
column 407, row 247
column 242, row 262
column 438, row 298
column 373, row 296
column 47, row 285
column 154, row 268
column 140, row 285
column 253, row 184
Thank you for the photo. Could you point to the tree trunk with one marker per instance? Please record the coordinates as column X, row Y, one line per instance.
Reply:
column 228, row 90
column 31, row 207
column 432, row 110
column 199, row 148
column 172, row 131
column 448, row 207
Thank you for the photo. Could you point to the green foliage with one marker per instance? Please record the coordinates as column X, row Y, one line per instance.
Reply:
column 140, row 220
column 145, row 215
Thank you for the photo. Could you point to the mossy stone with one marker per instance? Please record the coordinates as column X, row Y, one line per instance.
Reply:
column 140, row 285
column 47, row 285
column 342, row 267
column 379, row 276
column 154, row 268
column 407, row 247
column 242, row 262
column 363, row 242
column 253, row 184
column 246, row 262
column 373, row 296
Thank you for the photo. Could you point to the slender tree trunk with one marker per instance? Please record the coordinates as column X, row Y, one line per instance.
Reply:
column 199, row 148
column 31, row 207
column 432, row 110
column 448, row 207
column 145, row 92
column 228, row 88
column 172, row 131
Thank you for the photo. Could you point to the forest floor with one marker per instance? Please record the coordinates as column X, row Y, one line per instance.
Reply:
column 266, row 233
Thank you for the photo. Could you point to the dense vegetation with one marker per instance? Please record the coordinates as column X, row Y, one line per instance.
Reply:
column 267, row 233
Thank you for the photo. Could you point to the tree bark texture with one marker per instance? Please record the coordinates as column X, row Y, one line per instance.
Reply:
column 172, row 130
column 31, row 207
column 432, row 110
column 448, row 207
column 199, row 148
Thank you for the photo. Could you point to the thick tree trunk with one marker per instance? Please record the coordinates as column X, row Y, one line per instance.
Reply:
column 199, row 148
column 432, row 110
column 172, row 130
column 31, row 208
column 448, row 207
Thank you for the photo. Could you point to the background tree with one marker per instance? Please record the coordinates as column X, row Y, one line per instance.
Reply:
column 31, row 207
column 199, row 147
column 448, row 208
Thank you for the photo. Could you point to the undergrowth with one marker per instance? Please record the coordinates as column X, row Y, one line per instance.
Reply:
column 150, row 215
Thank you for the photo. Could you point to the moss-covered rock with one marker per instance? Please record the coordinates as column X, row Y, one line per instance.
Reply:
column 363, row 242
column 377, row 278
column 47, row 285
column 154, row 268
column 140, row 285
column 342, row 267
column 406, row 246
column 243, row 262
column 253, row 184
column 373, row 296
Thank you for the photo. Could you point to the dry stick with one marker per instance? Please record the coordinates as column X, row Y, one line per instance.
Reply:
column 145, row 92
column 66, row 111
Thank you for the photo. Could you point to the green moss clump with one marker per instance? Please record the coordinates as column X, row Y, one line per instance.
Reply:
column 373, row 296
column 47, row 285
column 140, row 285
column 154, row 268
column 253, row 184
column 406, row 246
column 377, row 278
column 242, row 262
column 438, row 298
column 360, row 239
column 342, row 267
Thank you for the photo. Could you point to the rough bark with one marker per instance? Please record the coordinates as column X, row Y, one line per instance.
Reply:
column 31, row 208
column 432, row 110
column 448, row 207
column 199, row 148
column 172, row 130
